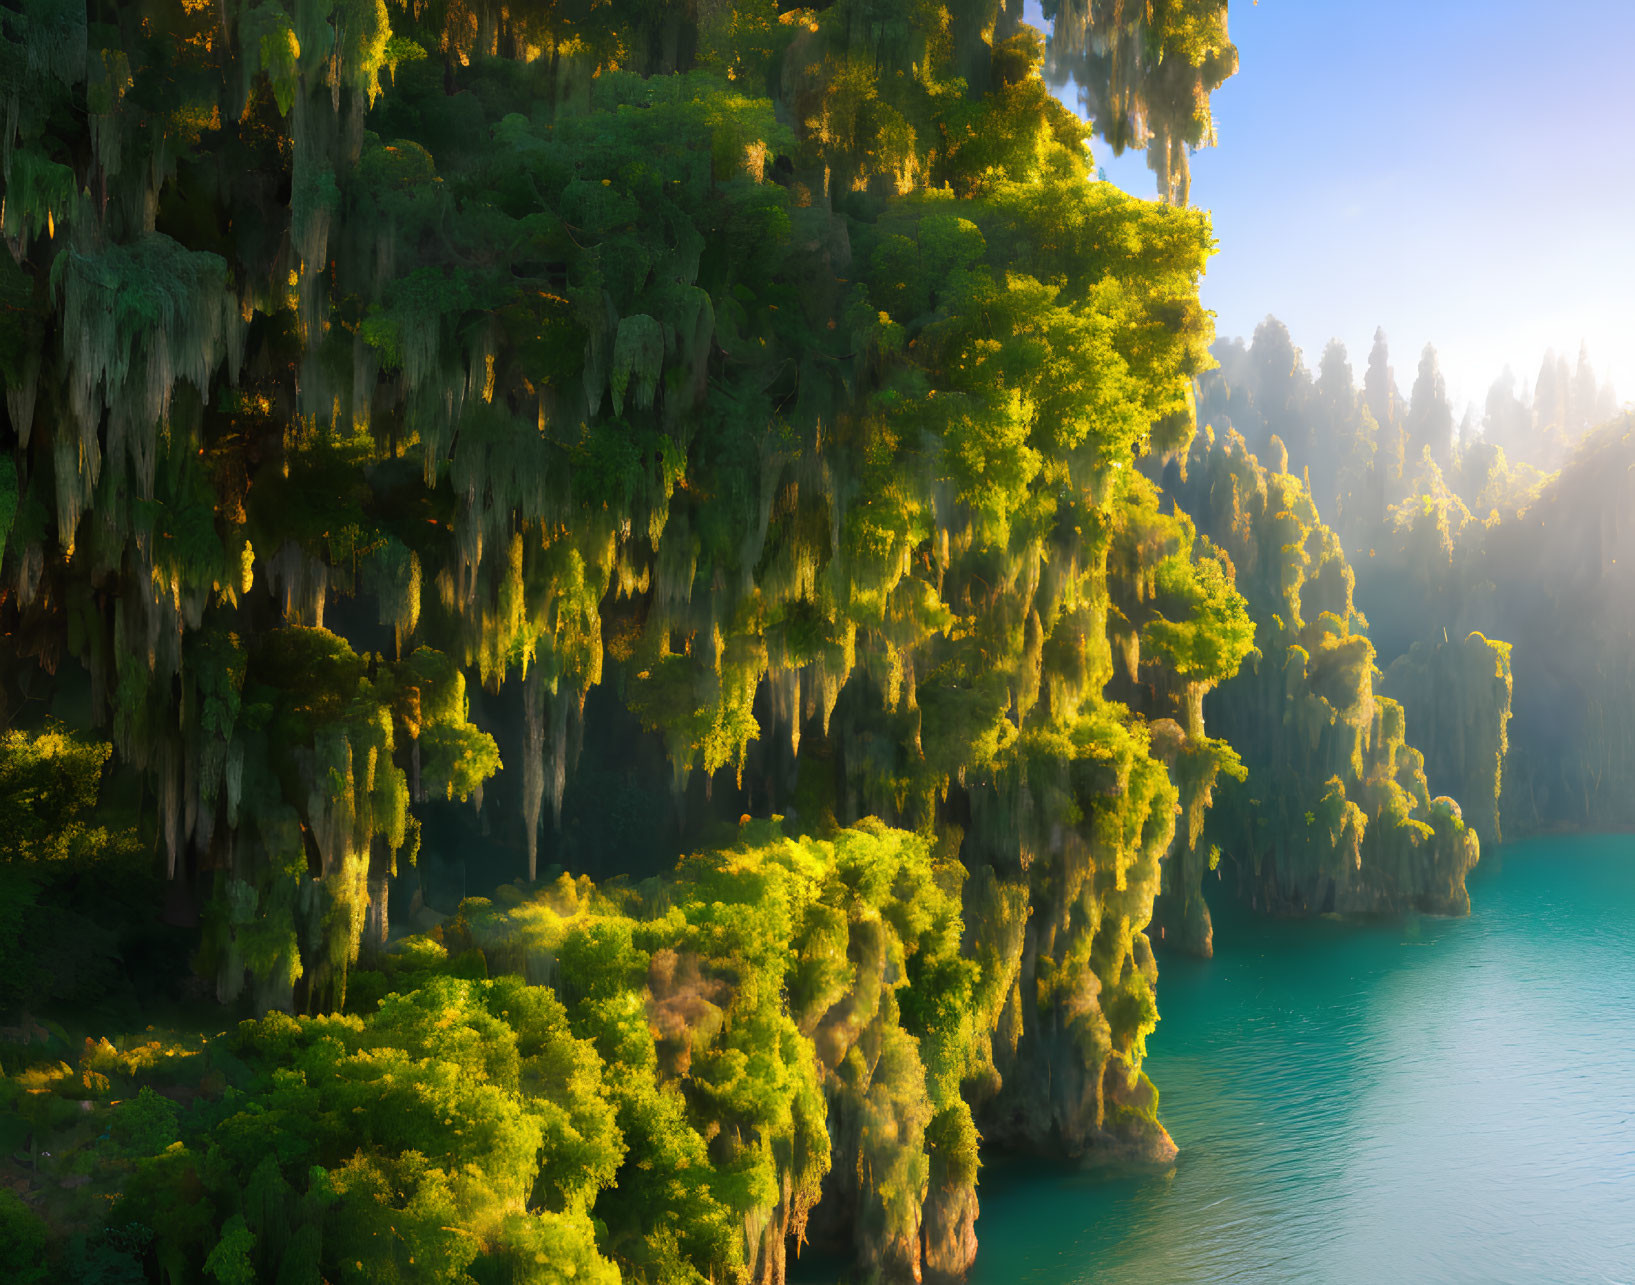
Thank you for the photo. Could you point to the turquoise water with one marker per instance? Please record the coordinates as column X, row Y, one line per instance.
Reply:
column 1415, row 1101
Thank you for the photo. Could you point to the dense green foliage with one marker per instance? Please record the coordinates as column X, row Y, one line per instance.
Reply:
column 566, row 432
column 703, row 347
column 560, row 434
column 564, row 1083
column 388, row 386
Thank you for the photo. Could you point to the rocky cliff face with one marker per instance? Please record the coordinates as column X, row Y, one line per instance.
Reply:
column 1456, row 700
column 1335, row 812
column 1558, row 580
column 1553, row 574
column 950, row 1233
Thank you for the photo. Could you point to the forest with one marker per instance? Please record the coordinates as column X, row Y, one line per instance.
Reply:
column 625, row 627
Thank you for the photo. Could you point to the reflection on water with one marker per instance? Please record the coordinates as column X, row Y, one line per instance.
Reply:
column 1420, row 1100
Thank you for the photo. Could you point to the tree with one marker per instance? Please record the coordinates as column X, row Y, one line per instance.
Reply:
column 1343, row 464
column 1385, row 404
column 1507, row 422
column 1429, row 424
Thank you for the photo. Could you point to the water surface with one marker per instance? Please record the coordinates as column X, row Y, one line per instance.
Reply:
column 1422, row 1100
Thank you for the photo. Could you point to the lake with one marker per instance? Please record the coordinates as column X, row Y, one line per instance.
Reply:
column 1408, row 1101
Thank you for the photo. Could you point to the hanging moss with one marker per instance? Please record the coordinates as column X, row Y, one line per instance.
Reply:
column 1146, row 75
column 1334, row 813
column 768, row 385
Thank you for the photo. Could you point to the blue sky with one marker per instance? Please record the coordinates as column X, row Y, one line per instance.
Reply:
column 1458, row 171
